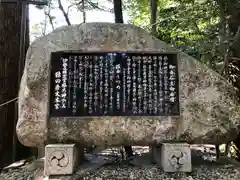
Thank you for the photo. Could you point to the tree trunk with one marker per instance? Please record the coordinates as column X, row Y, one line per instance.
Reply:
column 222, row 35
column 118, row 11
column 10, row 30
column 153, row 9
column 84, row 11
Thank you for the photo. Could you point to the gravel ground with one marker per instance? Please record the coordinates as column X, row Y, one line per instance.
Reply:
column 98, row 168
column 152, row 173
column 204, row 172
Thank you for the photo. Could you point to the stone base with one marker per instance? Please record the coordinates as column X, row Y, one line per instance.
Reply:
column 60, row 159
column 173, row 157
column 176, row 157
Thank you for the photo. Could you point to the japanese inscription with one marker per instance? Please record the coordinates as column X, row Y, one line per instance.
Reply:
column 114, row 84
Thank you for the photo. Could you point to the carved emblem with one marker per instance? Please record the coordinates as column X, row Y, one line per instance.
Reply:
column 59, row 159
column 176, row 158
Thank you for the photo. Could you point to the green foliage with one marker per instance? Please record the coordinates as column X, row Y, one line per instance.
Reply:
column 138, row 10
column 190, row 25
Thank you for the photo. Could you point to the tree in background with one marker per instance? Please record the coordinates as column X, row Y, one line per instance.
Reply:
column 189, row 25
column 153, row 19
column 65, row 7
column 118, row 11
column 204, row 29
column 13, row 48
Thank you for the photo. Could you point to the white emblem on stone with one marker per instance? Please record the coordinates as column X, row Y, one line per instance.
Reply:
column 60, row 159
column 176, row 157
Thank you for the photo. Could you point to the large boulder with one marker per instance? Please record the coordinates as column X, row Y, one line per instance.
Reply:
column 209, row 111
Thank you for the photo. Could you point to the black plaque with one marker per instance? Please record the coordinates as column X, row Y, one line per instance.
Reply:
column 114, row 84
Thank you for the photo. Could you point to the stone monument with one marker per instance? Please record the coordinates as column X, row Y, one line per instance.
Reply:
column 114, row 84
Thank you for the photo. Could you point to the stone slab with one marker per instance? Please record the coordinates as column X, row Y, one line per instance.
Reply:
column 209, row 110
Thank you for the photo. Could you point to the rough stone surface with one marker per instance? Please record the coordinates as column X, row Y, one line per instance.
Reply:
column 209, row 113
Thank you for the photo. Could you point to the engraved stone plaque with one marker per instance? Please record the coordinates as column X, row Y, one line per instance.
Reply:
column 114, row 84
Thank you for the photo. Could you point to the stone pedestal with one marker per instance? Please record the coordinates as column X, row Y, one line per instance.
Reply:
column 175, row 157
column 60, row 159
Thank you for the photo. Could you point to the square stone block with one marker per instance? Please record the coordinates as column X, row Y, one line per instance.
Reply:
column 60, row 159
column 176, row 157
